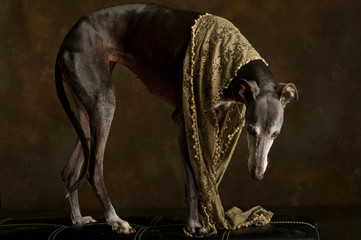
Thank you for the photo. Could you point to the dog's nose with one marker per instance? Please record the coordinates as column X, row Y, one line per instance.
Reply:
column 256, row 176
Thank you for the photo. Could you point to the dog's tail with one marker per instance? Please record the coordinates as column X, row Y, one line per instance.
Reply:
column 66, row 105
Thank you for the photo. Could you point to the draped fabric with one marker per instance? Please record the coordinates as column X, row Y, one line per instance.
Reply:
column 216, row 52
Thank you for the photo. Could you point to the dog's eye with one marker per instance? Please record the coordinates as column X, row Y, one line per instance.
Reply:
column 275, row 134
column 251, row 130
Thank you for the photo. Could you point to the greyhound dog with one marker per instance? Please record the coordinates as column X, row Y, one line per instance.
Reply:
column 151, row 41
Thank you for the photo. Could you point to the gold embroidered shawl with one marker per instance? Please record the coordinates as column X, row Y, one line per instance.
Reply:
column 216, row 52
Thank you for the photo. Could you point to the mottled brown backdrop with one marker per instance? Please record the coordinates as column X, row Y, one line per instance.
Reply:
column 315, row 162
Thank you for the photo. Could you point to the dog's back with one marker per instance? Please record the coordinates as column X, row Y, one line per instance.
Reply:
column 149, row 39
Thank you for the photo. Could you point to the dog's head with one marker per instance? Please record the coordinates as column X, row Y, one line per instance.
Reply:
column 264, row 119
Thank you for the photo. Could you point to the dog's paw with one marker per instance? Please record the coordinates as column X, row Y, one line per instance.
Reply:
column 83, row 220
column 120, row 226
column 195, row 229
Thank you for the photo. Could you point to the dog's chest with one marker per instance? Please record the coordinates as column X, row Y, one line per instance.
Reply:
column 169, row 89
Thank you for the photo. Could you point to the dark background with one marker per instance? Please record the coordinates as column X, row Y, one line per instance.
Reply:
column 314, row 163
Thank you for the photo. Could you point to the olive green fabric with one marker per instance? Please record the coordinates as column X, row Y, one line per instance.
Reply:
column 216, row 51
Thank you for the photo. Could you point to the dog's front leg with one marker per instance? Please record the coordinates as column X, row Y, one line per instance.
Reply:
column 193, row 225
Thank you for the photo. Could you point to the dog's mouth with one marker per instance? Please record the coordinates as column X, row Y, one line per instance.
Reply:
column 257, row 165
column 257, row 171
column 257, row 176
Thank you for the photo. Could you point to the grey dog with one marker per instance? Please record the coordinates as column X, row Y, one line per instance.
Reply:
column 151, row 41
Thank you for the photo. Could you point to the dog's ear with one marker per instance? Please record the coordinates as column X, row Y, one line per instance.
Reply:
column 247, row 90
column 287, row 92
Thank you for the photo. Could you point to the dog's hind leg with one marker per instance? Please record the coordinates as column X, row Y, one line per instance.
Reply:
column 70, row 173
column 101, row 117
column 89, row 79
column 96, row 94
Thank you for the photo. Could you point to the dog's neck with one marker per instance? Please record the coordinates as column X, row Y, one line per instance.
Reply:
column 258, row 71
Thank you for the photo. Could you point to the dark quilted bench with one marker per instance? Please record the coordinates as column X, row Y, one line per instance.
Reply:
column 281, row 227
